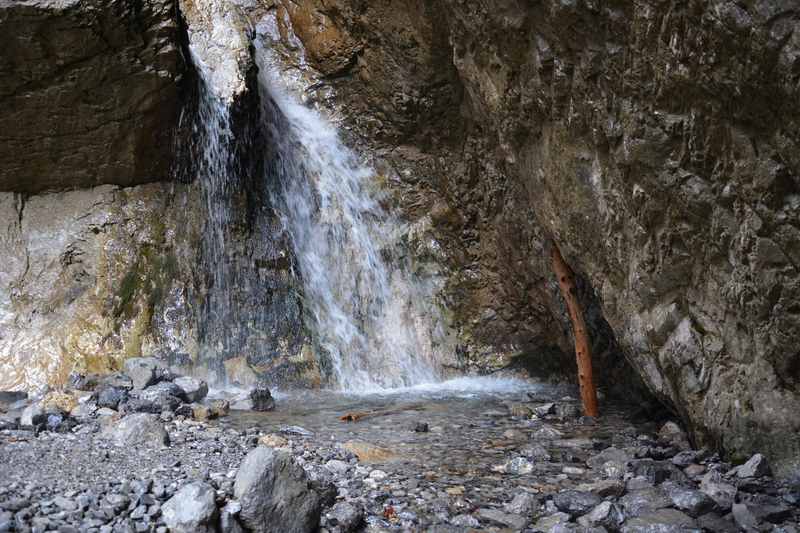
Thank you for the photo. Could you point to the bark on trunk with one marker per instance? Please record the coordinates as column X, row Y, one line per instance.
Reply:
column 583, row 353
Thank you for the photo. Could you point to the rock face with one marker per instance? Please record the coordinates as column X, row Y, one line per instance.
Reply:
column 275, row 495
column 89, row 93
column 655, row 142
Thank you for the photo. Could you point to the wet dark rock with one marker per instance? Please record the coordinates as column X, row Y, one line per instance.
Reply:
column 192, row 509
column 275, row 495
column 421, row 427
column 715, row 522
column 604, row 488
column 111, row 397
column 261, row 399
column 575, row 502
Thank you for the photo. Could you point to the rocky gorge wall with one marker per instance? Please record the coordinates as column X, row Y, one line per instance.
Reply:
column 655, row 142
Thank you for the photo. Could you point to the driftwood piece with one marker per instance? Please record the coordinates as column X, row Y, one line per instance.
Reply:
column 583, row 351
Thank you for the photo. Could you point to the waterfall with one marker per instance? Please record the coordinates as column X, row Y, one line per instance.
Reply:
column 365, row 313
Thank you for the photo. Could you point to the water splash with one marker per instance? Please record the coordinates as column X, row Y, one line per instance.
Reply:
column 366, row 313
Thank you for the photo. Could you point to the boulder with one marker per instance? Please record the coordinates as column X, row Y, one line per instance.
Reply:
column 192, row 509
column 111, row 397
column 275, row 495
column 138, row 429
column 691, row 501
column 145, row 371
column 643, row 501
column 193, row 389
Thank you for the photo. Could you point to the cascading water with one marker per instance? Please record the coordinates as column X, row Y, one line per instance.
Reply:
column 366, row 317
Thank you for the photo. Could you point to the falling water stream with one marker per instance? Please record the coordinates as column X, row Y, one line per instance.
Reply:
column 364, row 312
column 369, row 318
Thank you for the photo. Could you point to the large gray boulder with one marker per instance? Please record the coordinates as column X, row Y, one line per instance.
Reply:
column 275, row 494
column 192, row 509
column 139, row 429
column 89, row 92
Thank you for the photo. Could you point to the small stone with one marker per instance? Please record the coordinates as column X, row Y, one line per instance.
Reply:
column 536, row 452
column 544, row 410
column 111, row 397
column 604, row 488
column 337, row 467
column 261, row 399
column 65, row 503
column 296, row 430
column 520, row 410
column 547, row 433
column 552, row 523
column 273, row 440
column 692, row 502
column 523, row 504
column 643, row 501
column 609, row 454
column 744, row 518
column 605, row 514
column 756, row 466
column 661, row 521
column 575, row 502
column 142, row 371
column 673, row 434
column 191, row 509
column 465, row 520
column 378, row 475
column 421, row 427
column 722, row 493
column 512, row 521
column 346, row 516
column 518, row 466
column 194, row 389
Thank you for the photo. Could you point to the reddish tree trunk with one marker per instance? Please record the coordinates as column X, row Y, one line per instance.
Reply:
column 583, row 351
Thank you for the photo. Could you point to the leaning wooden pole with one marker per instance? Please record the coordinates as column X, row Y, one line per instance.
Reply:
column 583, row 351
